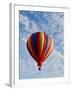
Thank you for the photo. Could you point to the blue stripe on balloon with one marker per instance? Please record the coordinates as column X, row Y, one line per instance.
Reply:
column 34, row 42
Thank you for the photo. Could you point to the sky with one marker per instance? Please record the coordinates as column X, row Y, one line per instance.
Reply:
column 51, row 23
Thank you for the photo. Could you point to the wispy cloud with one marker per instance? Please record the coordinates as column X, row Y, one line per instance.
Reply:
column 30, row 26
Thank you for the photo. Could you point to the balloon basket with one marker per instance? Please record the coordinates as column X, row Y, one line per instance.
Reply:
column 39, row 68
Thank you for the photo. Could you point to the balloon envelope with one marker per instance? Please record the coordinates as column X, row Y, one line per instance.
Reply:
column 40, row 46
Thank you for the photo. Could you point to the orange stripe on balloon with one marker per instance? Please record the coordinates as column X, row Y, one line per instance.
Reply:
column 49, row 49
column 44, row 46
column 41, row 42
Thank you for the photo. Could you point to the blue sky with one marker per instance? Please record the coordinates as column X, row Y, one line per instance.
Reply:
column 51, row 23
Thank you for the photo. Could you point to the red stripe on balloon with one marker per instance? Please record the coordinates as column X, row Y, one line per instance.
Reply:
column 45, row 47
column 49, row 49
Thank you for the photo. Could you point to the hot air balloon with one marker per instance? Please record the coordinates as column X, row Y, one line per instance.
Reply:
column 40, row 45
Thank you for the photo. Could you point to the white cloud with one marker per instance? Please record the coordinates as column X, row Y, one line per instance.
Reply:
column 23, row 19
column 30, row 26
column 24, row 40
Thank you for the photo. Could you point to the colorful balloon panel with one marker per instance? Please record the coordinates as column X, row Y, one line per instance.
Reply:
column 40, row 46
